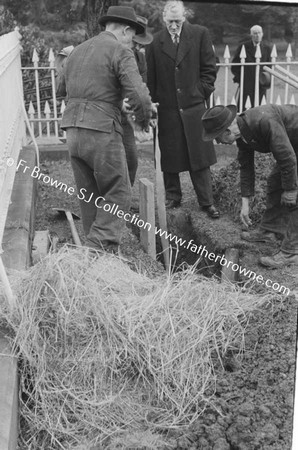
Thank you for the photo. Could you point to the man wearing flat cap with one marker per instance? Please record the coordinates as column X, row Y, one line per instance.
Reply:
column 268, row 128
column 99, row 74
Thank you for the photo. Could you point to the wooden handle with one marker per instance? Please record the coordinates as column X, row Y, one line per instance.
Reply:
column 73, row 229
column 161, row 209
column 281, row 77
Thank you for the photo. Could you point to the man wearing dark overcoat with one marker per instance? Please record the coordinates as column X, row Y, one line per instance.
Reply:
column 251, row 46
column 99, row 74
column 266, row 129
column 181, row 74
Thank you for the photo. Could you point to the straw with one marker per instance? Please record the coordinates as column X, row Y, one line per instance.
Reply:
column 107, row 352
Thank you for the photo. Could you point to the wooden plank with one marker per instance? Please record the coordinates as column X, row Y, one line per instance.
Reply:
column 147, row 214
column 9, row 417
column 228, row 272
column 161, row 207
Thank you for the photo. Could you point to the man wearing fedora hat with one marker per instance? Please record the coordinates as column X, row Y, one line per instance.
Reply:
column 99, row 74
column 181, row 75
column 266, row 129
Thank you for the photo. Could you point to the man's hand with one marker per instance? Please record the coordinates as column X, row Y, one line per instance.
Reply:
column 154, row 107
column 126, row 108
column 153, row 120
column 288, row 198
column 244, row 214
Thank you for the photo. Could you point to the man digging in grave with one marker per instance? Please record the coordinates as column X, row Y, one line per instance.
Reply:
column 268, row 128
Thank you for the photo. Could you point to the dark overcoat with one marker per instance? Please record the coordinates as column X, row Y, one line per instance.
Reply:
column 181, row 80
column 250, row 71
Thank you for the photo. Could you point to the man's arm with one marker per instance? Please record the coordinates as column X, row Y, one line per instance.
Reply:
column 207, row 64
column 142, row 64
column 134, row 88
column 151, row 71
column 236, row 69
column 275, row 134
column 246, row 158
column 247, row 179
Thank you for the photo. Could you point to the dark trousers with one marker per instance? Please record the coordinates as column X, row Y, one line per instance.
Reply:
column 202, row 183
column 99, row 165
column 278, row 218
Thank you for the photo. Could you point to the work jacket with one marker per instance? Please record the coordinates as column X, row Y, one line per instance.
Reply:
column 99, row 73
column 269, row 128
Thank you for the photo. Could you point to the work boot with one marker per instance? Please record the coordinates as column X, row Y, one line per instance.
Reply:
column 211, row 211
column 280, row 259
column 172, row 204
column 259, row 236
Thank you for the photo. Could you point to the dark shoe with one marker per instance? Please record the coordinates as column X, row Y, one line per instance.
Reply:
column 280, row 259
column 170, row 204
column 259, row 236
column 211, row 211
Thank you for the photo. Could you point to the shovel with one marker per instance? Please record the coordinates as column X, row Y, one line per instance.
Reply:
column 70, row 216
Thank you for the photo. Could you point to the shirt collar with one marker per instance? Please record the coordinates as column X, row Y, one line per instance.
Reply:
column 174, row 34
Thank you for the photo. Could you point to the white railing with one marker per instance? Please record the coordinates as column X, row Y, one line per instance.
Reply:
column 278, row 93
column 12, row 128
column 45, row 111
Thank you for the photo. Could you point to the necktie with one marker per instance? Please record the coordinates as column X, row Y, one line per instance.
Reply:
column 176, row 39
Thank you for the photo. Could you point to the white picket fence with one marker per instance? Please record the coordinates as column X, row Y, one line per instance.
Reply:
column 45, row 115
column 278, row 93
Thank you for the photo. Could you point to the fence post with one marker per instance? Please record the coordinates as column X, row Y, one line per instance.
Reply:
column 258, row 56
column 227, row 57
column 52, row 69
column 273, row 61
column 242, row 60
column 35, row 60
column 289, row 58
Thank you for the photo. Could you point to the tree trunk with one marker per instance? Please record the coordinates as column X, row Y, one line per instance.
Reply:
column 94, row 10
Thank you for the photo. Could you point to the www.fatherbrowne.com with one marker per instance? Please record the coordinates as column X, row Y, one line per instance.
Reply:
column 100, row 202
column 202, row 251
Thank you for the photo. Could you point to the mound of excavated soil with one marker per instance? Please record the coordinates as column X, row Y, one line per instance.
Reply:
column 253, row 398
column 227, row 187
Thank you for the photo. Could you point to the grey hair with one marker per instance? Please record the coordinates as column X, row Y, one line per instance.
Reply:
column 173, row 4
column 255, row 27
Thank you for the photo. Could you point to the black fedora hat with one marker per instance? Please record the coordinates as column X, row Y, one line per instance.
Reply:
column 123, row 14
column 216, row 120
column 146, row 37
column 265, row 80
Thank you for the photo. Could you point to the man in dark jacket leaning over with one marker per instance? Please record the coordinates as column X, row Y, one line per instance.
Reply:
column 99, row 74
column 269, row 128
column 181, row 70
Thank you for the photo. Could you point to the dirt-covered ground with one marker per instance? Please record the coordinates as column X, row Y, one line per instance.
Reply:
column 252, row 406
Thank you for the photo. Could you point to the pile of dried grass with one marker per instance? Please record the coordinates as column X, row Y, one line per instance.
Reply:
column 105, row 349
